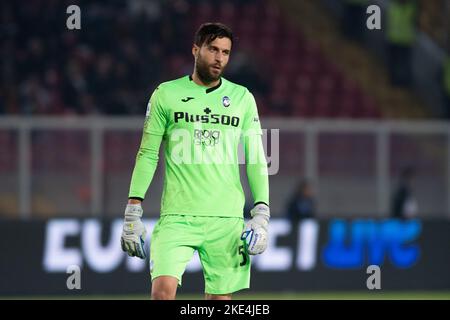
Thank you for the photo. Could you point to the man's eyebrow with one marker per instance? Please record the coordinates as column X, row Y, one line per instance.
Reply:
column 217, row 48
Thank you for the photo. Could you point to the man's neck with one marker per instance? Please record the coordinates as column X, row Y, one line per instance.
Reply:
column 198, row 81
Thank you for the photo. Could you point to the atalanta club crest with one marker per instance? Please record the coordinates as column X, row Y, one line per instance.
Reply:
column 226, row 101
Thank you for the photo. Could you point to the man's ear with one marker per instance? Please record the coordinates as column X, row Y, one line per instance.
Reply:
column 195, row 49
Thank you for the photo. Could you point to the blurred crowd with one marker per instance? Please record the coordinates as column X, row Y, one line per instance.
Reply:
column 110, row 66
column 125, row 48
column 48, row 69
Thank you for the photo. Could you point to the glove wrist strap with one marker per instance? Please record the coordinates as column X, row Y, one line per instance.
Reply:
column 133, row 211
column 263, row 211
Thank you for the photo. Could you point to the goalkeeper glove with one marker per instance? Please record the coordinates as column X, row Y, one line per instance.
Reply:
column 256, row 231
column 134, row 232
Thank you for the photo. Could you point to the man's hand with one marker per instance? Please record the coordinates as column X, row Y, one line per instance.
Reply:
column 256, row 233
column 133, row 233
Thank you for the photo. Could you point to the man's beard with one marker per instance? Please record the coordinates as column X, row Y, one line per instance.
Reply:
column 202, row 69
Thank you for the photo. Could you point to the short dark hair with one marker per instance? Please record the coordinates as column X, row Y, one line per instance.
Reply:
column 210, row 31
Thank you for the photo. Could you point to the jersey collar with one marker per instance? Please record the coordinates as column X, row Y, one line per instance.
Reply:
column 212, row 88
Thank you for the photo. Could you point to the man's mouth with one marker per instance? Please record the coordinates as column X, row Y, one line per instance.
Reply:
column 217, row 67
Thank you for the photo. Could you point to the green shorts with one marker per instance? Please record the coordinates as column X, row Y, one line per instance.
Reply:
column 223, row 255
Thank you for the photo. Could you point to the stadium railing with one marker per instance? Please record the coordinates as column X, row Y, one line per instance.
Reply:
column 82, row 166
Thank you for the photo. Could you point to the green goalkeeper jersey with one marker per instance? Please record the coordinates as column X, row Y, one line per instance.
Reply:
column 201, row 129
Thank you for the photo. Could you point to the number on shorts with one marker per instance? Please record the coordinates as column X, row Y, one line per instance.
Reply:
column 244, row 256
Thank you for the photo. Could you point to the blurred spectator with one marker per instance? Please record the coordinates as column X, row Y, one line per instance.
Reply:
column 245, row 69
column 401, row 35
column 446, row 84
column 354, row 19
column 404, row 204
column 2, row 101
column 302, row 204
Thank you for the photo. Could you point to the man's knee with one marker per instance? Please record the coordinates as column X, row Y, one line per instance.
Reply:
column 164, row 288
column 162, row 294
column 218, row 296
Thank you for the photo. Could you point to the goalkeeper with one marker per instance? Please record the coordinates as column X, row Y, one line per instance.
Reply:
column 200, row 119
